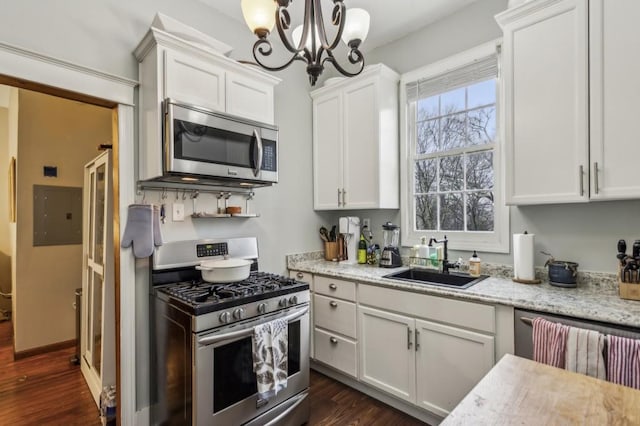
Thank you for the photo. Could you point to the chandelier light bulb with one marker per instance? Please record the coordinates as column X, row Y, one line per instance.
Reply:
column 260, row 15
column 356, row 26
column 296, row 35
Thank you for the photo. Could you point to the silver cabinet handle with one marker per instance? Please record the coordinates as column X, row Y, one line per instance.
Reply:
column 333, row 304
column 339, row 194
column 581, row 174
column 299, row 275
column 417, row 339
column 595, row 177
column 409, row 338
column 332, row 286
column 333, row 340
column 344, row 197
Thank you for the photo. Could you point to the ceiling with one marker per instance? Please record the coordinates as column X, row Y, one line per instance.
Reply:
column 390, row 19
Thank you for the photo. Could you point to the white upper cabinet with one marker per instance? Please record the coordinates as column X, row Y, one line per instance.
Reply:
column 614, row 53
column 355, row 142
column 174, row 68
column 568, row 69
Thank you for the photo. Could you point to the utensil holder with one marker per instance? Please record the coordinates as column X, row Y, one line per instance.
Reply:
column 331, row 251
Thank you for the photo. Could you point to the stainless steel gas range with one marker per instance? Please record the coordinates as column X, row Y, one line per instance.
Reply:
column 202, row 363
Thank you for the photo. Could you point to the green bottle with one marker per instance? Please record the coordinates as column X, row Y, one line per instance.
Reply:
column 362, row 250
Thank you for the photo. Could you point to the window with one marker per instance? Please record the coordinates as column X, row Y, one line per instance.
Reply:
column 451, row 179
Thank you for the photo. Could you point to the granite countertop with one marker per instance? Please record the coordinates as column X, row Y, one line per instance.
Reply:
column 594, row 298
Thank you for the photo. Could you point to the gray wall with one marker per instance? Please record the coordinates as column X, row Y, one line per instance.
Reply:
column 585, row 233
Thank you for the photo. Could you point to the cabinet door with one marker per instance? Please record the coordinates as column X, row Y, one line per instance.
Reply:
column 545, row 104
column 615, row 76
column 450, row 361
column 249, row 98
column 387, row 355
column 194, row 81
column 327, row 152
column 361, row 146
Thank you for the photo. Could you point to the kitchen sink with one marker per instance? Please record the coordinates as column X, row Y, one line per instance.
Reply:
column 423, row 276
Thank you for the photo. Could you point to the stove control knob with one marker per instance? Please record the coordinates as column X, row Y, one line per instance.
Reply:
column 283, row 302
column 293, row 300
column 239, row 313
column 262, row 308
column 225, row 317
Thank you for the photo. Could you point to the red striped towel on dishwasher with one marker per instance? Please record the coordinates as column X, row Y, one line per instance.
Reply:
column 549, row 342
column 624, row 361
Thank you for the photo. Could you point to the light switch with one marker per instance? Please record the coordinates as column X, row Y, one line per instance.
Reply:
column 178, row 212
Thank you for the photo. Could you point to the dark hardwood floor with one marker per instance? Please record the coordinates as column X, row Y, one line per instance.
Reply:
column 43, row 389
column 47, row 389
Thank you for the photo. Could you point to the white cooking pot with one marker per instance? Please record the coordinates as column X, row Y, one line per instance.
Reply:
column 225, row 270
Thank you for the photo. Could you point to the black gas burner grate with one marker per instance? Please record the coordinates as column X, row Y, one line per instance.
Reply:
column 203, row 296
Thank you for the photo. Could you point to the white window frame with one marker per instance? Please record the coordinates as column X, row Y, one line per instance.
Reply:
column 496, row 241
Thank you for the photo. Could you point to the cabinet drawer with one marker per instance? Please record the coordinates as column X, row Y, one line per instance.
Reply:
column 305, row 277
column 336, row 351
column 335, row 315
column 335, row 288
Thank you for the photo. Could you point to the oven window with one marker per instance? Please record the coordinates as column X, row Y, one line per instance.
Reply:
column 233, row 376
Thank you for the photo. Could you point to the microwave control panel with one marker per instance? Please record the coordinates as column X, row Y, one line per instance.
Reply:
column 269, row 160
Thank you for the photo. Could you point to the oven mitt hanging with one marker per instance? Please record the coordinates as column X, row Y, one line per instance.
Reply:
column 143, row 224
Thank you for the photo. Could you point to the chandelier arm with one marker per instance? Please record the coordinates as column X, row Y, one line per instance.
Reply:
column 283, row 22
column 358, row 58
column 259, row 47
column 338, row 16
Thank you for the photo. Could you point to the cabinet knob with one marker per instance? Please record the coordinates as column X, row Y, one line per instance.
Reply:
column 333, row 340
column 333, row 304
column 299, row 275
column 332, row 286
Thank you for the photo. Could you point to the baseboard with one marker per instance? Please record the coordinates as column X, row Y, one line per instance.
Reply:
column 406, row 408
column 44, row 349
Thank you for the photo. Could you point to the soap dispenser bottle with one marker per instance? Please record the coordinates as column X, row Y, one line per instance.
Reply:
column 474, row 265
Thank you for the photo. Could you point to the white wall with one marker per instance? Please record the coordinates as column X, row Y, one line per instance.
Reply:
column 54, row 132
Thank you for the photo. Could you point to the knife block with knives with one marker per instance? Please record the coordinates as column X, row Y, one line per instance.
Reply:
column 629, row 271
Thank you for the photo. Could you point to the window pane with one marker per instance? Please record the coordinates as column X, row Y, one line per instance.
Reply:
column 426, row 212
column 480, row 170
column 451, row 173
column 425, row 176
column 452, row 101
column 427, row 137
column 482, row 126
column 451, row 212
column 428, row 107
column 480, row 94
column 480, row 211
column 452, row 131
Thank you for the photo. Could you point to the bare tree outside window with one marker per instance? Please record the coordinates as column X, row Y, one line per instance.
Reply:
column 453, row 160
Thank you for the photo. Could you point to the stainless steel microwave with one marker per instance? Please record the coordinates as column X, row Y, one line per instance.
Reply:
column 203, row 146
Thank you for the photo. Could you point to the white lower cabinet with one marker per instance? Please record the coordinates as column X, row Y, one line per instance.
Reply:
column 338, row 352
column 449, row 363
column 387, row 357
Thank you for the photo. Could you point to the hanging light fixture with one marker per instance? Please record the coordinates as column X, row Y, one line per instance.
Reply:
column 309, row 41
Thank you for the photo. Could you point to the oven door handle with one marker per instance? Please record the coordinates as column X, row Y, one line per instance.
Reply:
column 245, row 332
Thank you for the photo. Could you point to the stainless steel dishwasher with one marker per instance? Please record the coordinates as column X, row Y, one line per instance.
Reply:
column 524, row 331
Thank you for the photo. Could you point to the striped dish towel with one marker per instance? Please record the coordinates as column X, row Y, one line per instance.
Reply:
column 584, row 352
column 549, row 342
column 624, row 361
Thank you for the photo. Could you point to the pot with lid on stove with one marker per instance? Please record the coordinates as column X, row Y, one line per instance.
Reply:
column 225, row 270
column 562, row 273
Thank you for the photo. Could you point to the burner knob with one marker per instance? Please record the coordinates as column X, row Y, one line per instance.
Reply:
column 283, row 302
column 239, row 313
column 262, row 308
column 225, row 317
column 293, row 300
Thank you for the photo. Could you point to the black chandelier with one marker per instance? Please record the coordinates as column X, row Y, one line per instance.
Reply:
column 309, row 41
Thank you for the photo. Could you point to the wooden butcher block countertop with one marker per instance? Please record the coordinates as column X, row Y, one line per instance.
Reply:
column 518, row 391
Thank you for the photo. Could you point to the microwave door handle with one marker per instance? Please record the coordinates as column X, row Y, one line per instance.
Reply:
column 256, row 171
column 245, row 332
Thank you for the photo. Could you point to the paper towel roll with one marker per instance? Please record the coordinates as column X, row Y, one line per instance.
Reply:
column 523, row 268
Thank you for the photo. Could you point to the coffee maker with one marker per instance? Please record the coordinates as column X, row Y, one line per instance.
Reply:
column 349, row 228
column 390, row 257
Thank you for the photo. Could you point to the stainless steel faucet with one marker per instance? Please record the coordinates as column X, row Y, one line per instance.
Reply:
column 446, row 265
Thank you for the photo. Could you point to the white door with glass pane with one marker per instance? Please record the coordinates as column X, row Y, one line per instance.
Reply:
column 97, row 346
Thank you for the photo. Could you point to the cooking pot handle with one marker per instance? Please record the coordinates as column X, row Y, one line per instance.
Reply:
column 202, row 268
